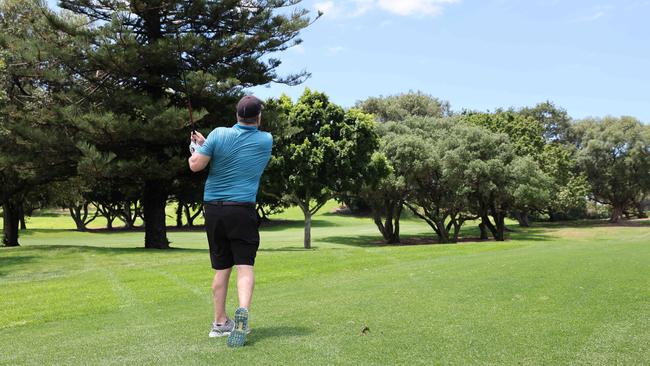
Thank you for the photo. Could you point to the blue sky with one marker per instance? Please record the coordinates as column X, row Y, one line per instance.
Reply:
column 590, row 57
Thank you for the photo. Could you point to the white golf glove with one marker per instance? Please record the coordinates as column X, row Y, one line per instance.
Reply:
column 194, row 147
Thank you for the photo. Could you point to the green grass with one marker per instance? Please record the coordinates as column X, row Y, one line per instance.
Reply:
column 577, row 294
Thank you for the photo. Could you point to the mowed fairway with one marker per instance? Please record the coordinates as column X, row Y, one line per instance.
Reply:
column 552, row 295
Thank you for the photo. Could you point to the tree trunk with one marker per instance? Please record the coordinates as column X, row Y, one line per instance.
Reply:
column 189, row 216
column 457, row 226
column 21, row 217
column 485, row 220
column 307, row 241
column 154, row 201
column 395, row 237
column 640, row 213
column 262, row 216
column 443, row 233
column 501, row 227
column 127, row 215
column 10, row 224
column 75, row 213
column 615, row 215
column 389, row 228
column 179, row 215
column 484, row 231
column 522, row 218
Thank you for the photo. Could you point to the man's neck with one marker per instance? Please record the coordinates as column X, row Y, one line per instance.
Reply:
column 248, row 125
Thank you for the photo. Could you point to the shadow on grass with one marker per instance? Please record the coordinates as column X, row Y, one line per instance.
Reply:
column 286, row 249
column 594, row 223
column 529, row 234
column 132, row 250
column 112, row 250
column 30, row 232
column 6, row 263
column 278, row 225
column 366, row 241
column 428, row 238
column 258, row 334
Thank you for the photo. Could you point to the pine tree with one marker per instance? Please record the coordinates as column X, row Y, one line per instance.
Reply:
column 149, row 57
column 37, row 145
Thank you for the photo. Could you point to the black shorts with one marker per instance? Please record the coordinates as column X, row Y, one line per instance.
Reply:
column 233, row 235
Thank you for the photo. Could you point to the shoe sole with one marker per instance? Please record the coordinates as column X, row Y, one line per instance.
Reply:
column 218, row 335
column 237, row 337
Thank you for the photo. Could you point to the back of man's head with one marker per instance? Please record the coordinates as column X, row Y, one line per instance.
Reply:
column 249, row 109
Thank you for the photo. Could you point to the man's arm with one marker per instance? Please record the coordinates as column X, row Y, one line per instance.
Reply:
column 198, row 161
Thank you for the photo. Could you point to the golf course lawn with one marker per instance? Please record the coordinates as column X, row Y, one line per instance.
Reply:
column 564, row 294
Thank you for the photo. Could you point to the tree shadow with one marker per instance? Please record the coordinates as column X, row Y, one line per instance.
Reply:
column 367, row 241
column 113, row 250
column 530, row 234
column 429, row 238
column 594, row 223
column 6, row 263
column 279, row 225
column 287, row 249
column 258, row 334
column 30, row 232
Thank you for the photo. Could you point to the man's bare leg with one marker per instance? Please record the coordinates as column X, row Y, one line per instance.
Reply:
column 245, row 285
column 219, row 292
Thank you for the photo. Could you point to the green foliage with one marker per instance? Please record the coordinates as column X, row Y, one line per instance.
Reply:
column 491, row 176
column 569, row 187
column 615, row 157
column 328, row 153
column 525, row 133
column 401, row 106
column 555, row 120
column 144, row 60
column 37, row 144
column 448, row 172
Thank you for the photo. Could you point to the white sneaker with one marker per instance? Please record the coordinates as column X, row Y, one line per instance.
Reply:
column 221, row 330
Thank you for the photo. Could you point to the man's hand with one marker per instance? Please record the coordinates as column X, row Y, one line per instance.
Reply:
column 197, row 137
column 196, row 141
column 197, row 161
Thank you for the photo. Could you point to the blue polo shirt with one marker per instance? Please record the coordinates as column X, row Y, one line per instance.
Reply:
column 239, row 155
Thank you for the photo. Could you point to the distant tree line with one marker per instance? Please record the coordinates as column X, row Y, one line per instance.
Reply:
column 94, row 119
column 448, row 168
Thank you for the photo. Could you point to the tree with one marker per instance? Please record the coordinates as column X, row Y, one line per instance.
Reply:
column 615, row 156
column 275, row 120
column 399, row 107
column 37, row 144
column 495, row 180
column 148, row 57
column 385, row 194
column 525, row 133
column 569, row 187
column 330, row 153
column 554, row 120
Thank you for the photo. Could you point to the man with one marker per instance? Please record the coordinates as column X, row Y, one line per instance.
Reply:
column 238, row 156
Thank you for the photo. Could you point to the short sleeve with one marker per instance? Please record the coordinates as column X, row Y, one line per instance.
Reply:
column 209, row 144
column 269, row 142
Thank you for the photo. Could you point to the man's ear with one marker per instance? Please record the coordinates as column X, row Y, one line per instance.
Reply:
column 259, row 119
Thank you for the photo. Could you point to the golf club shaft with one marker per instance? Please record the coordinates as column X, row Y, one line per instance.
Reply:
column 189, row 107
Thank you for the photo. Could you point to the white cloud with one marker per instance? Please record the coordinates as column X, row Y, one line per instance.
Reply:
column 333, row 51
column 299, row 49
column 355, row 8
column 415, row 7
column 595, row 14
column 326, row 7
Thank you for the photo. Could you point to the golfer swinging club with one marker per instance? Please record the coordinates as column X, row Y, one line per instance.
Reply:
column 239, row 155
